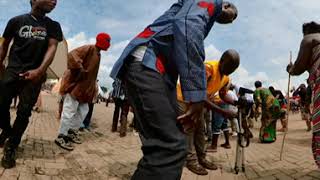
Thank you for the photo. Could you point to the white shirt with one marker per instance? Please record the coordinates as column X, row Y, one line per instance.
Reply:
column 139, row 52
column 232, row 95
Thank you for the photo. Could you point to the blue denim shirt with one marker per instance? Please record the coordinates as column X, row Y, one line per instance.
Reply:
column 178, row 36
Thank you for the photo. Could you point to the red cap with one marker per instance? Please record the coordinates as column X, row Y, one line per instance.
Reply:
column 103, row 41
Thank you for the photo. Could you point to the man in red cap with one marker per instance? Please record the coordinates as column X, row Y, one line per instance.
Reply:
column 78, row 87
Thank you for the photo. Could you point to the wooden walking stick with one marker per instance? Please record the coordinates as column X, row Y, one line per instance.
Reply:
column 288, row 111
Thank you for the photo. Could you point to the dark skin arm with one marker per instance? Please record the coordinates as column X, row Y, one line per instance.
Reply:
column 3, row 52
column 194, row 112
column 217, row 109
column 191, row 116
column 36, row 74
column 304, row 56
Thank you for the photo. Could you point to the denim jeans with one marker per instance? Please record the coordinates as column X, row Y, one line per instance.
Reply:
column 87, row 121
column 219, row 122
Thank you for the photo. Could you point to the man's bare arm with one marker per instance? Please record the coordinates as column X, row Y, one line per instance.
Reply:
column 304, row 56
column 4, row 49
column 48, row 57
column 218, row 109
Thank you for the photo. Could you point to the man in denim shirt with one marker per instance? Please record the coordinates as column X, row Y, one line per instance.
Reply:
column 172, row 46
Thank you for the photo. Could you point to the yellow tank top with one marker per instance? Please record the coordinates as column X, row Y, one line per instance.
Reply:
column 215, row 81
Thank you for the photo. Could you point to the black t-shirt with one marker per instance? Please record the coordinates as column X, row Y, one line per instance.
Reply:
column 31, row 37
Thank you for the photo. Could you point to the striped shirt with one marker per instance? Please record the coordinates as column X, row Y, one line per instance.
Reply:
column 118, row 90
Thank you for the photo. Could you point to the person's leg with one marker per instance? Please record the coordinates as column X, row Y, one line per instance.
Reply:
column 217, row 120
column 305, row 116
column 38, row 104
column 60, row 108
column 309, row 126
column 251, row 122
column 192, row 162
column 87, row 120
column 154, row 104
column 123, row 118
column 69, row 112
column 27, row 99
column 8, row 90
column 263, row 126
column 283, row 124
column 234, row 121
column 266, row 119
column 225, row 130
column 235, row 126
column 200, row 145
column 208, row 125
column 253, row 116
column 115, row 119
column 82, row 111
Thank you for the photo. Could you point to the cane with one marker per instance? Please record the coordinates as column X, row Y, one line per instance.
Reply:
column 288, row 109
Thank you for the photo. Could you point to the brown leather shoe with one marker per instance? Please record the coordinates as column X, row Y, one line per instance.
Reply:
column 197, row 169
column 207, row 164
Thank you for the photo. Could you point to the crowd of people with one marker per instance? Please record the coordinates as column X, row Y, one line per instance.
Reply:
column 180, row 101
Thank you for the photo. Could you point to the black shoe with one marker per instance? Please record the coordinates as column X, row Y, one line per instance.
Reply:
column 197, row 169
column 62, row 141
column 9, row 157
column 74, row 137
column 3, row 138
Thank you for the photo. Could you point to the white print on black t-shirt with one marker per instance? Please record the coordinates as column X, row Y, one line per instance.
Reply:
column 28, row 32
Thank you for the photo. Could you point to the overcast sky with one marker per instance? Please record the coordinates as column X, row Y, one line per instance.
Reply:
column 264, row 33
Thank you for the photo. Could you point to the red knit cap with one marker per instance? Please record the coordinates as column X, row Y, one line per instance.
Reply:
column 103, row 41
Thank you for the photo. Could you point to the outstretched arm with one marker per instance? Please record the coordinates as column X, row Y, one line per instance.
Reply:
column 4, row 49
column 8, row 36
column 218, row 109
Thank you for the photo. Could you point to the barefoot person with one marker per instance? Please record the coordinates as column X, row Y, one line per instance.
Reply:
column 309, row 60
column 172, row 46
column 35, row 37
